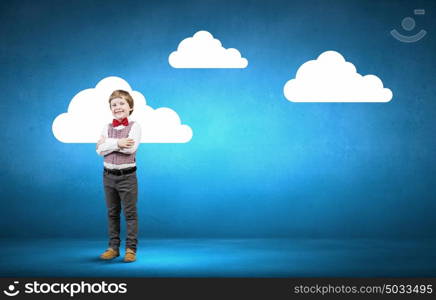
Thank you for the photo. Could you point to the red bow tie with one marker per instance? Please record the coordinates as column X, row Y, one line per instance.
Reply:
column 116, row 123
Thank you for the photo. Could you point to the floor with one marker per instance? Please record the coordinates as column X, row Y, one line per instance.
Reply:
column 222, row 258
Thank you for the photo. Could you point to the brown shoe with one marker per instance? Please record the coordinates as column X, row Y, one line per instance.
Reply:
column 130, row 255
column 110, row 253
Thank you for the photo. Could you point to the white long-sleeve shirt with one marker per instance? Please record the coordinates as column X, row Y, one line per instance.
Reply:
column 111, row 145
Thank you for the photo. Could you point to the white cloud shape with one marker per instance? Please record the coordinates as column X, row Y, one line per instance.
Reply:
column 330, row 78
column 204, row 51
column 89, row 111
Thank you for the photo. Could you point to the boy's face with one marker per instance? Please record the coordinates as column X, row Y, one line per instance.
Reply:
column 120, row 108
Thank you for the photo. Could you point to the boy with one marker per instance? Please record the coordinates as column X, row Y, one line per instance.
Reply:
column 118, row 144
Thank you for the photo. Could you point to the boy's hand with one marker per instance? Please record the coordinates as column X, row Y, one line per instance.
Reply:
column 126, row 143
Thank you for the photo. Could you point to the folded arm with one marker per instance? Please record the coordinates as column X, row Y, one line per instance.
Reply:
column 106, row 145
column 129, row 145
column 135, row 135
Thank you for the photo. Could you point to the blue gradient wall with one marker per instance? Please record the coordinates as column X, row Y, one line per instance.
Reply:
column 258, row 165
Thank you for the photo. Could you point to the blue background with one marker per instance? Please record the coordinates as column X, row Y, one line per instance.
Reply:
column 258, row 165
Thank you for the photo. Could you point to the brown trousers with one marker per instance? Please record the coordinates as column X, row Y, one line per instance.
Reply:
column 122, row 192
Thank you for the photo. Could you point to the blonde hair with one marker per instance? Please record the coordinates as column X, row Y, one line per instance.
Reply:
column 123, row 95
